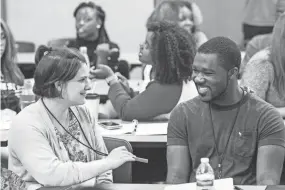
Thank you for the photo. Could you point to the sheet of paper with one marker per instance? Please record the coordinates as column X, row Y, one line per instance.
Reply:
column 221, row 184
column 152, row 128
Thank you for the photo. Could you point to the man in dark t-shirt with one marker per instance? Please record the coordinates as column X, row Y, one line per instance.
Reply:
column 242, row 135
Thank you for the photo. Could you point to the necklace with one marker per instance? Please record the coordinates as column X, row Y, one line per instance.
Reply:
column 221, row 156
column 89, row 145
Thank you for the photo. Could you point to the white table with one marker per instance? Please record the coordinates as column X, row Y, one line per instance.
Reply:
column 149, row 141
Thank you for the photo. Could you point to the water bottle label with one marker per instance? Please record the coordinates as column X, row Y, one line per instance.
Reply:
column 205, row 183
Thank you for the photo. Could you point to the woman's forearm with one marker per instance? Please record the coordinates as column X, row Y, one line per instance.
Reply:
column 94, row 168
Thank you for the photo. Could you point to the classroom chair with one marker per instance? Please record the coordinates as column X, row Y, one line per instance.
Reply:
column 123, row 174
column 25, row 47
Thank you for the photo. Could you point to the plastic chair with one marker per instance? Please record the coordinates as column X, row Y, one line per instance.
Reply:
column 25, row 47
column 122, row 174
column 61, row 42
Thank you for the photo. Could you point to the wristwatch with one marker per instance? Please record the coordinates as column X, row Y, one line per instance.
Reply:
column 111, row 78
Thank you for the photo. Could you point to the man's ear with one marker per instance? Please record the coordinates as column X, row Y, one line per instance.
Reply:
column 233, row 72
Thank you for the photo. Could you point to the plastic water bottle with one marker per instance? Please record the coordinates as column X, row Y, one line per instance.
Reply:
column 83, row 51
column 27, row 96
column 205, row 176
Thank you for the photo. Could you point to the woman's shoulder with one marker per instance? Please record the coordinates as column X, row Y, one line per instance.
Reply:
column 261, row 61
column 156, row 85
column 28, row 120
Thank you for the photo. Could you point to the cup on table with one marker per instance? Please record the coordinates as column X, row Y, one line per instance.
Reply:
column 92, row 103
column 27, row 96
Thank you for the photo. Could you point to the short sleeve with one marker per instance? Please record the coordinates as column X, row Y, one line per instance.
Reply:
column 176, row 131
column 271, row 128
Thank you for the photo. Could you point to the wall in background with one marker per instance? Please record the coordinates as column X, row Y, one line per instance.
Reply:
column 42, row 20
column 222, row 18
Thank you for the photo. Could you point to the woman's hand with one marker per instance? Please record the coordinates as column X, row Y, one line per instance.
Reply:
column 123, row 80
column 101, row 72
column 119, row 156
column 124, row 83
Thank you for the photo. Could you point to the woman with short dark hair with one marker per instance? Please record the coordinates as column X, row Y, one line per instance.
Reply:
column 55, row 141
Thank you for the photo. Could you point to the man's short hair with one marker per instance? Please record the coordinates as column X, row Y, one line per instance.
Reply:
column 226, row 50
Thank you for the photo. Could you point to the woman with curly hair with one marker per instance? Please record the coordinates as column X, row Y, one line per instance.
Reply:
column 171, row 50
column 265, row 72
column 184, row 13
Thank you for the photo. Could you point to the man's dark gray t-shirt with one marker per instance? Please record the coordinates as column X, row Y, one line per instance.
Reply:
column 258, row 124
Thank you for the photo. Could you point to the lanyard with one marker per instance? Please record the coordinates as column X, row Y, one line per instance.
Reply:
column 221, row 156
column 89, row 145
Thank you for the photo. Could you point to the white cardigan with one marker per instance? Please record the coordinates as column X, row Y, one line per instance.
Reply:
column 37, row 156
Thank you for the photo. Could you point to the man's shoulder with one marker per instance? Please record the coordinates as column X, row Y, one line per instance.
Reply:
column 263, row 108
column 192, row 106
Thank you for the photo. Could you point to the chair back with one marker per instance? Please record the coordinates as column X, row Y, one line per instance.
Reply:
column 122, row 174
column 25, row 47
column 59, row 43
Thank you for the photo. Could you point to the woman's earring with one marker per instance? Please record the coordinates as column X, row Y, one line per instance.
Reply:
column 98, row 26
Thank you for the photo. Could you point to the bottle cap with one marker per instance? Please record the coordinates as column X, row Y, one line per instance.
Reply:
column 204, row 160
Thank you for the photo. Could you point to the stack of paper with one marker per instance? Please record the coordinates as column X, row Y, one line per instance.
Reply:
column 141, row 129
column 152, row 129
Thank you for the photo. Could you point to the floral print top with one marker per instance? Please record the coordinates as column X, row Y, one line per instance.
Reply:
column 9, row 180
column 76, row 151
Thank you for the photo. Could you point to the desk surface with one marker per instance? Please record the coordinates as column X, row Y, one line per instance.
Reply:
column 148, row 187
column 142, row 141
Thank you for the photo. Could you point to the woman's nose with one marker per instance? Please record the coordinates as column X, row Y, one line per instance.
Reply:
column 88, row 84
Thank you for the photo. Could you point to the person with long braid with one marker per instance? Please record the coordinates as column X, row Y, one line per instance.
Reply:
column 171, row 50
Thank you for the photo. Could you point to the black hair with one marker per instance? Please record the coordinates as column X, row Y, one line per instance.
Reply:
column 226, row 50
column 103, row 35
column 53, row 65
column 172, row 50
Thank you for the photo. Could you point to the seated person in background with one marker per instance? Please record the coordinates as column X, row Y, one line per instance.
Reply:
column 259, row 18
column 61, row 145
column 243, row 136
column 171, row 51
column 11, row 75
column 91, row 33
column 184, row 13
column 265, row 72
column 262, row 41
